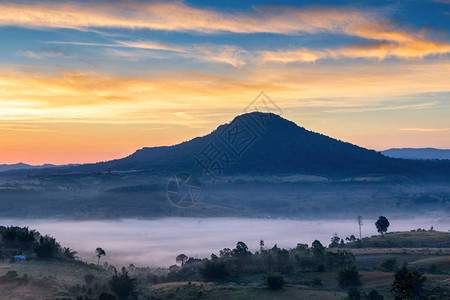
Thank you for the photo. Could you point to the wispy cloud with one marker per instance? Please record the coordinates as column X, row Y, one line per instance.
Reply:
column 425, row 129
column 43, row 54
column 177, row 16
column 384, row 108
column 227, row 54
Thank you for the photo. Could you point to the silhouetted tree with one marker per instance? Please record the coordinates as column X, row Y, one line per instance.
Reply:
column 407, row 284
column 349, row 277
column 47, row 247
column 181, row 259
column 351, row 239
column 123, row 286
column 382, row 224
column 241, row 257
column 225, row 253
column 317, row 248
column 261, row 245
column 334, row 241
column 99, row 253
column 69, row 253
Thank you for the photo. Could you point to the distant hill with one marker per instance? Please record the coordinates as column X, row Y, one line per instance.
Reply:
column 263, row 143
column 417, row 153
column 21, row 166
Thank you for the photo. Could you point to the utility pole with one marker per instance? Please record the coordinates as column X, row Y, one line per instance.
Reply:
column 359, row 219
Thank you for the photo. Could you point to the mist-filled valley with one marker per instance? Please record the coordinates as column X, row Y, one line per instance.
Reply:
column 157, row 242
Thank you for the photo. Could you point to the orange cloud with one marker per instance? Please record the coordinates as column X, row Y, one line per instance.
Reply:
column 389, row 40
column 177, row 16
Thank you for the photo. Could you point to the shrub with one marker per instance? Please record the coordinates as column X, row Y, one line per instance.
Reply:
column 389, row 264
column 354, row 294
column 275, row 281
column 349, row 277
column 374, row 295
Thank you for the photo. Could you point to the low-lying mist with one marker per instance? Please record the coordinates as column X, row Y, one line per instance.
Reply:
column 157, row 242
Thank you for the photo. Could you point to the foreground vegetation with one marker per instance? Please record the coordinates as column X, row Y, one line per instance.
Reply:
column 353, row 269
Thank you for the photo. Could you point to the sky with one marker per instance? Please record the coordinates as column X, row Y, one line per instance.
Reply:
column 88, row 81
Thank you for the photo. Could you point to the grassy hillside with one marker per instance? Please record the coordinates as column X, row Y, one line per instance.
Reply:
column 415, row 239
column 309, row 273
column 50, row 280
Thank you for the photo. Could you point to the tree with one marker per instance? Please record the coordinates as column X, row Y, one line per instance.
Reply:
column 359, row 219
column 69, row 253
column 241, row 255
column 241, row 252
column 47, row 247
column 382, row 224
column 351, row 239
column 182, row 258
column 407, row 284
column 349, row 277
column 334, row 241
column 317, row 248
column 123, row 286
column 225, row 253
column 99, row 252
column 283, row 261
column 261, row 246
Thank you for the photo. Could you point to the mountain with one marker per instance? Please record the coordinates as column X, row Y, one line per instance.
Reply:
column 417, row 153
column 261, row 144
column 264, row 143
column 20, row 166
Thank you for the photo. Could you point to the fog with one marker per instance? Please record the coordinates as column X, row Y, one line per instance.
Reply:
column 157, row 242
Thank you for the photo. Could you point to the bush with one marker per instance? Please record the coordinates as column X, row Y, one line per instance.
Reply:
column 354, row 294
column 389, row 264
column 349, row 277
column 275, row 281
column 374, row 295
